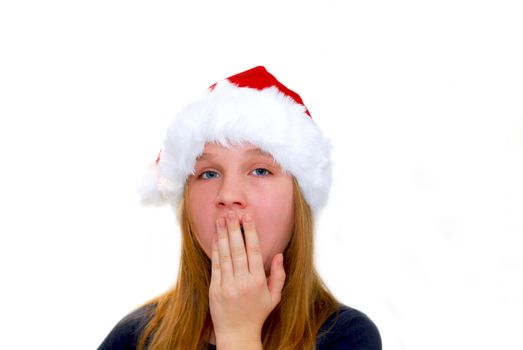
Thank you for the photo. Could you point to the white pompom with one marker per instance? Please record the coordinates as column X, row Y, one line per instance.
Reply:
column 148, row 192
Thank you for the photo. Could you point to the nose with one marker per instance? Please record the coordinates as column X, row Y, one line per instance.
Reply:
column 231, row 193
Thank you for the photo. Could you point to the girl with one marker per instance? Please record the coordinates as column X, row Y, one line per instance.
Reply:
column 248, row 171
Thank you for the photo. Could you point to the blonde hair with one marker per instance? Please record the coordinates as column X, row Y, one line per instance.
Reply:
column 182, row 318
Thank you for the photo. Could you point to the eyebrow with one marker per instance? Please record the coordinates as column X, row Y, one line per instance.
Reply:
column 255, row 151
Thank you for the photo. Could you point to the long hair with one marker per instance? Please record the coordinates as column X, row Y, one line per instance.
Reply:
column 182, row 319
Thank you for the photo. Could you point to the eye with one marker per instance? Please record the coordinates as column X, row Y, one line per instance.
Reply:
column 209, row 174
column 261, row 172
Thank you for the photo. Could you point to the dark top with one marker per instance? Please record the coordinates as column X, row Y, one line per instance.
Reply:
column 352, row 330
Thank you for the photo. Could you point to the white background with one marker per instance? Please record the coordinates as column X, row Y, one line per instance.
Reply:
column 423, row 102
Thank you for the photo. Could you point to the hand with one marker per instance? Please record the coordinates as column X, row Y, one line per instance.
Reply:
column 240, row 295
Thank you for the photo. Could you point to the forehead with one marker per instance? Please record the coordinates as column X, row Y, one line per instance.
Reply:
column 213, row 150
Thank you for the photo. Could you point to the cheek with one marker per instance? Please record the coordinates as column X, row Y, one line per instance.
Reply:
column 203, row 222
column 274, row 224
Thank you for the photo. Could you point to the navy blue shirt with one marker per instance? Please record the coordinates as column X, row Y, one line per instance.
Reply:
column 352, row 330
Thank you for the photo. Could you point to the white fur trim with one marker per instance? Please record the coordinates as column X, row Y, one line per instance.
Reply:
column 265, row 118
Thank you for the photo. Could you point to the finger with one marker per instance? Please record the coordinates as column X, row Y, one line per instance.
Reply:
column 252, row 243
column 215, row 263
column 238, row 253
column 276, row 279
column 226, row 270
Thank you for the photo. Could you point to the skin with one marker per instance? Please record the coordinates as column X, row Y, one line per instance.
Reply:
column 243, row 186
column 234, row 179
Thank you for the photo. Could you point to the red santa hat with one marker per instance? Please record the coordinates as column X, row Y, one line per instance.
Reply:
column 249, row 107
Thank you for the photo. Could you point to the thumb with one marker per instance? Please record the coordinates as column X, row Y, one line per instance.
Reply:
column 276, row 279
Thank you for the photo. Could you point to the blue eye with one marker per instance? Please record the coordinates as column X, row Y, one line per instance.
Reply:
column 211, row 174
column 261, row 172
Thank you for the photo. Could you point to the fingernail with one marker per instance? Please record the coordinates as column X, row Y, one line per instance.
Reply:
column 247, row 218
column 221, row 223
column 231, row 215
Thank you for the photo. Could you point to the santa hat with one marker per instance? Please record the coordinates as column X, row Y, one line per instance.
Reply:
column 249, row 107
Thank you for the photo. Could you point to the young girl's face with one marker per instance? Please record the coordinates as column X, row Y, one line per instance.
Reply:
column 242, row 179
